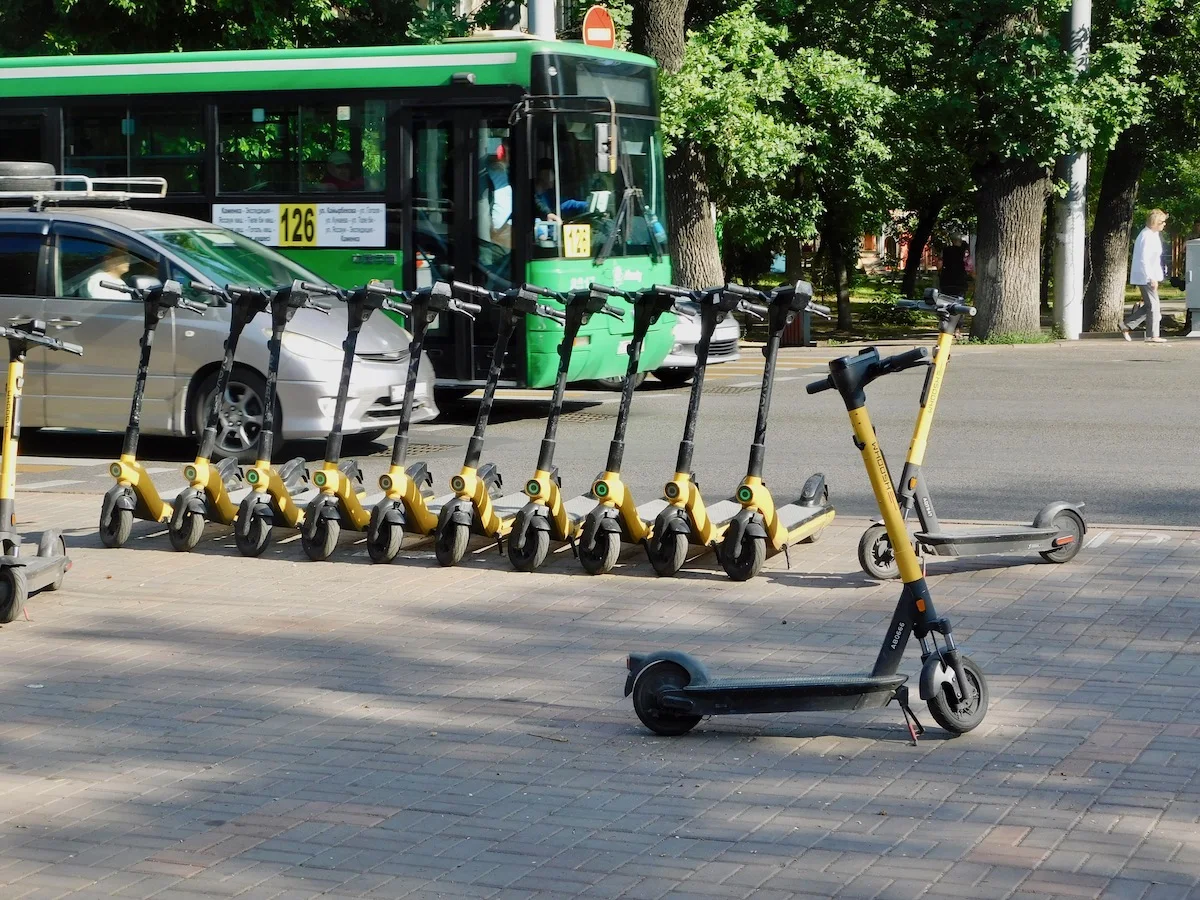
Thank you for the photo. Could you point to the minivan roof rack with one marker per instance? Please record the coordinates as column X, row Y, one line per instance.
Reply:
column 82, row 188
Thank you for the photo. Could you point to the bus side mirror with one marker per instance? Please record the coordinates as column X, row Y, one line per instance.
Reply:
column 606, row 157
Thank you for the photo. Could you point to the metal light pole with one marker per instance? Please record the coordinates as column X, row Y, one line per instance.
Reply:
column 1071, row 211
column 542, row 19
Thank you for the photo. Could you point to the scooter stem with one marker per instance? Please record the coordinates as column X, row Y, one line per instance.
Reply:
column 708, row 324
column 758, row 449
column 130, row 443
column 415, row 346
column 475, row 446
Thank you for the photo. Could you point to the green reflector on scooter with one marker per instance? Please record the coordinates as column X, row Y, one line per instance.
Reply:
column 115, row 470
column 319, row 479
column 600, row 489
column 457, row 483
column 532, row 488
column 189, row 472
column 385, row 482
column 252, row 476
column 745, row 495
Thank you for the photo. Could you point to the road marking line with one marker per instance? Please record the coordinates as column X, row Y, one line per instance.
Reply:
column 43, row 485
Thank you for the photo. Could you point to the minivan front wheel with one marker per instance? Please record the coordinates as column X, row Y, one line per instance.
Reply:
column 240, row 417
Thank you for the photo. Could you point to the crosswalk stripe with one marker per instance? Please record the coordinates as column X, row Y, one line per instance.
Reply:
column 44, row 485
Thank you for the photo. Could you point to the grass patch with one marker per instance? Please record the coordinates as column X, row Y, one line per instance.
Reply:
column 1016, row 337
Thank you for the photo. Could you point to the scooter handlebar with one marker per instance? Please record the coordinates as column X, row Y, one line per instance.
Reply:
column 819, row 308
column 611, row 291
column 740, row 290
column 672, row 291
column 324, row 290
column 549, row 312
column 610, row 310
column 463, row 308
column 815, row 387
column 463, row 287
column 395, row 306
column 212, row 290
column 118, row 286
column 198, row 308
column 755, row 309
column 918, row 356
column 77, row 349
column 241, row 290
column 543, row 292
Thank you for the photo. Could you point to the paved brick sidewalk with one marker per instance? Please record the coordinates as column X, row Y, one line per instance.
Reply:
column 208, row 726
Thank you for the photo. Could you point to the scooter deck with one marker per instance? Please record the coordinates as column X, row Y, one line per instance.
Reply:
column 41, row 571
column 793, row 515
column 509, row 505
column 733, row 696
column 991, row 539
column 578, row 507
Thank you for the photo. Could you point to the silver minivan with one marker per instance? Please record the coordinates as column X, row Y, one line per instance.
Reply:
column 51, row 266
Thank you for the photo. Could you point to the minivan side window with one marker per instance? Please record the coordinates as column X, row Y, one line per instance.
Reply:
column 19, row 263
column 85, row 264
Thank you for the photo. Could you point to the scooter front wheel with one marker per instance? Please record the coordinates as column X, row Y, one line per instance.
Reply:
column 13, row 590
column 667, row 553
column 51, row 543
column 647, row 694
column 188, row 535
column 450, row 545
column 743, row 565
column 253, row 537
column 323, row 541
column 532, row 553
column 960, row 716
column 603, row 555
column 1069, row 525
column 386, row 546
column 876, row 555
column 116, row 527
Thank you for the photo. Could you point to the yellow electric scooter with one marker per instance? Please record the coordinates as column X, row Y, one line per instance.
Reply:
column 134, row 495
column 762, row 527
column 208, row 495
column 475, row 506
column 407, row 503
column 614, row 515
column 272, row 499
column 682, row 517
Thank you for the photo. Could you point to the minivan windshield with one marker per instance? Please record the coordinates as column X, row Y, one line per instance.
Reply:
column 226, row 257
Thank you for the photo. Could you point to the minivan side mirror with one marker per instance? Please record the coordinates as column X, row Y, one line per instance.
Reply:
column 145, row 283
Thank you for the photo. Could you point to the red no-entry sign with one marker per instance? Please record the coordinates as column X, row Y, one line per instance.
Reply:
column 598, row 29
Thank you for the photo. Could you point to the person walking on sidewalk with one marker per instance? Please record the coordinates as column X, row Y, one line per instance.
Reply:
column 1146, row 272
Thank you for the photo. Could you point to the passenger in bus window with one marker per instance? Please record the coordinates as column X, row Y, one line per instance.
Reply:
column 545, row 200
column 495, row 198
column 339, row 173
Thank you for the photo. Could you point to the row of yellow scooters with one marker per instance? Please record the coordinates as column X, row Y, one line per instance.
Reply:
column 320, row 505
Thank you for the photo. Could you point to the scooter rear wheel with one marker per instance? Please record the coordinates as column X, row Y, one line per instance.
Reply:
column 603, row 556
column 13, row 591
column 324, row 540
column 450, row 544
column 647, row 691
column 116, row 527
column 1067, row 523
column 529, row 557
column 960, row 717
column 744, row 565
column 51, row 543
column 188, row 534
column 875, row 554
column 667, row 553
column 385, row 548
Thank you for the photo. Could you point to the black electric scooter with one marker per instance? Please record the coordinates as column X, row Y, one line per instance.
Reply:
column 1057, row 530
column 761, row 527
column 22, row 574
column 546, row 516
column 614, row 516
column 672, row 691
column 476, row 505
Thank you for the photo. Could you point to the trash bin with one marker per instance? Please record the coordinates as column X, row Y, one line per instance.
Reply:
column 799, row 332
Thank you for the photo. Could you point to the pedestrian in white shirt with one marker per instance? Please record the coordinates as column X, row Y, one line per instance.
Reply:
column 1146, row 272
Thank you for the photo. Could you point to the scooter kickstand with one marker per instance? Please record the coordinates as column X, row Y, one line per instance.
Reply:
column 787, row 556
column 574, row 549
column 913, row 724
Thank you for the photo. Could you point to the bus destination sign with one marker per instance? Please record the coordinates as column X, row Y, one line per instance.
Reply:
column 306, row 224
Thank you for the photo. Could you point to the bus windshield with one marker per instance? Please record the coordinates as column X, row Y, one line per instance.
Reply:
column 577, row 208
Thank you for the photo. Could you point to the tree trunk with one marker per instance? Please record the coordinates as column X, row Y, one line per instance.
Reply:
column 839, row 248
column 658, row 32
column 1104, row 299
column 1048, row 221
column 927, row 216
column 1009, row 205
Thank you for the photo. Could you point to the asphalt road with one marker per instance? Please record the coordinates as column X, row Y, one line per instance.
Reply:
column 1101, row 421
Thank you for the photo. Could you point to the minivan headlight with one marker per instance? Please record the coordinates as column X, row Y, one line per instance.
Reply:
column 310, row 348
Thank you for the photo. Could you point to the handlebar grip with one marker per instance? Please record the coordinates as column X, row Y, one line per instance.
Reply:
column 117, row 286
column 962, row 309
column 322, row 289
column 199, row 308
column 549, row 312
column 613, row 311
column 382, row 290
column 242, row 289
column 756, row 308
column 815, row 387
column 397, row 306
column 740, row 290
column 820, row 309
column 470, row 309
column 607, row 289
column 541, row 291
column 471, row 289
column 671, row 290
column 319, row 307
column 211, row 290
column 901, row 361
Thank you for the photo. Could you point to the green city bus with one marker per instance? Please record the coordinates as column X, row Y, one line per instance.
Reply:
column 495, row 159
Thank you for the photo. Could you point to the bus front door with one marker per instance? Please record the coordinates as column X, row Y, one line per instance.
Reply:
column 462, row 229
